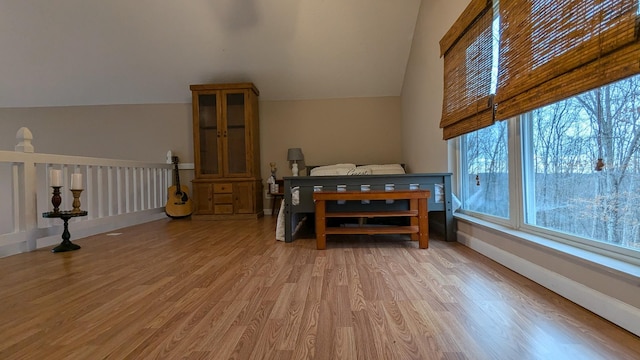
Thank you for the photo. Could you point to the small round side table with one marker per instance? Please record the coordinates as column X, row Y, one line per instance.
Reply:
column 66, row 244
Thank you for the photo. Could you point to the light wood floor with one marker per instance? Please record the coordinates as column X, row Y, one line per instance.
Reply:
column 227, row 290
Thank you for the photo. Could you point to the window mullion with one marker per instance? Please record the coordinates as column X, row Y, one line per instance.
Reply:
column 526, row 167
column 516, row 188
column 463, row 169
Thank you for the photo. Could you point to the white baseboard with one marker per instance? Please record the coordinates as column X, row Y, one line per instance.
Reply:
column 612, row 309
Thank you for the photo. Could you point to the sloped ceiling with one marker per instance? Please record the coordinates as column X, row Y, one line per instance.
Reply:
column 89, row 52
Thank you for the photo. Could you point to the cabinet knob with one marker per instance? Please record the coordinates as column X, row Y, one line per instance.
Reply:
column 218, row 133
column 225, row 133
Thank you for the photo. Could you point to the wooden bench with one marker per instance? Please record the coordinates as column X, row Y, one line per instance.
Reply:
column 417, row 212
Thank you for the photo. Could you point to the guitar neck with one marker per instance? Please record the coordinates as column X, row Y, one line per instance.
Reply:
column 177, row 177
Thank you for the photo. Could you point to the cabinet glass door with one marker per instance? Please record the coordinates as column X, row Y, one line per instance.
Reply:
column 235, row 134
column 209, row 134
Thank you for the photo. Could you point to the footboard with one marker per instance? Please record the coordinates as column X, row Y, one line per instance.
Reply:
column 298, row 195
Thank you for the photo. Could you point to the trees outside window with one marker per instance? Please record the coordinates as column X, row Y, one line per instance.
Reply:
column 486, row 184
column 580, row 165
column 585, row 158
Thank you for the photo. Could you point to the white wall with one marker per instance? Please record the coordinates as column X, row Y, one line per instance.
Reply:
column 130, row 132
column 355, row 130
column 422, row 146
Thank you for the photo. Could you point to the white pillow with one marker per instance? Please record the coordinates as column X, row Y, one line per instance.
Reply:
column 360, row 170
column 351, row 169
column 338, row 166
column 323, row 172
column 337, row 169
column 385, row 169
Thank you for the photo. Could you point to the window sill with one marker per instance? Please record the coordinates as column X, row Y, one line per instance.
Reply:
column 593, row 259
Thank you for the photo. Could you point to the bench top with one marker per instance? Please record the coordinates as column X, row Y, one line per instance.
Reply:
column 371, row 195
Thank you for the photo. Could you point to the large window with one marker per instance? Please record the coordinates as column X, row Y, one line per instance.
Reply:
column 580, row 164
column 583, row 165
column 565, row 162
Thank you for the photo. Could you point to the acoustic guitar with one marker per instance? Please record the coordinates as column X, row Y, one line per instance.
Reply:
column 178, row 201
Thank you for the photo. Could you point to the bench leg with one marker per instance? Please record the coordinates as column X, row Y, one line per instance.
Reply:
column 321, row 225
column 414, row 221
column 423, row 224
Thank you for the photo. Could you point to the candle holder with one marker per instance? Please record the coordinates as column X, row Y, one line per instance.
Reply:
column 56, row 200
column 76, row 200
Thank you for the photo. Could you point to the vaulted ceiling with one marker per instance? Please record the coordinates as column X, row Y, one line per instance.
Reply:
column 88, row 52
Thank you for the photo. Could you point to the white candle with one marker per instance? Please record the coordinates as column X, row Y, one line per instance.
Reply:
column 55, row 177
column 76, row 181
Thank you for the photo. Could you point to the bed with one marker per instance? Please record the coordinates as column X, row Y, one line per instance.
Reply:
column 298, row 195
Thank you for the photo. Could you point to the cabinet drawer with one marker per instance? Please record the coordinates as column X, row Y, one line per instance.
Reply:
column 223, row 199
column 223, row 209
column 223, row 188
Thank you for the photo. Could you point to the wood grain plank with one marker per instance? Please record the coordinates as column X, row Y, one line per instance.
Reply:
column 226, row 289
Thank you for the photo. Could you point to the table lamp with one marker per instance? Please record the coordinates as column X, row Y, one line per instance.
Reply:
column 294, row 155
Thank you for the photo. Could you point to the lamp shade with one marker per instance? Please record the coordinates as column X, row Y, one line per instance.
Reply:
column 295, row 154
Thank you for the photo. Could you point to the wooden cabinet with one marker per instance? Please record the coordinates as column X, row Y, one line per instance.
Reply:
column 226, row 147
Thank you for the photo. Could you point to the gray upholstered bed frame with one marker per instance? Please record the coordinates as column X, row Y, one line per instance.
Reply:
column 306, row 206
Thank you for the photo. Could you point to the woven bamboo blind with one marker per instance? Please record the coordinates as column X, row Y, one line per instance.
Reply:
column 551, row 50
column 467, row 48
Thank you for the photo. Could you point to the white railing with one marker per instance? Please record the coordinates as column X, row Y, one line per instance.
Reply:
column 117, row 193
